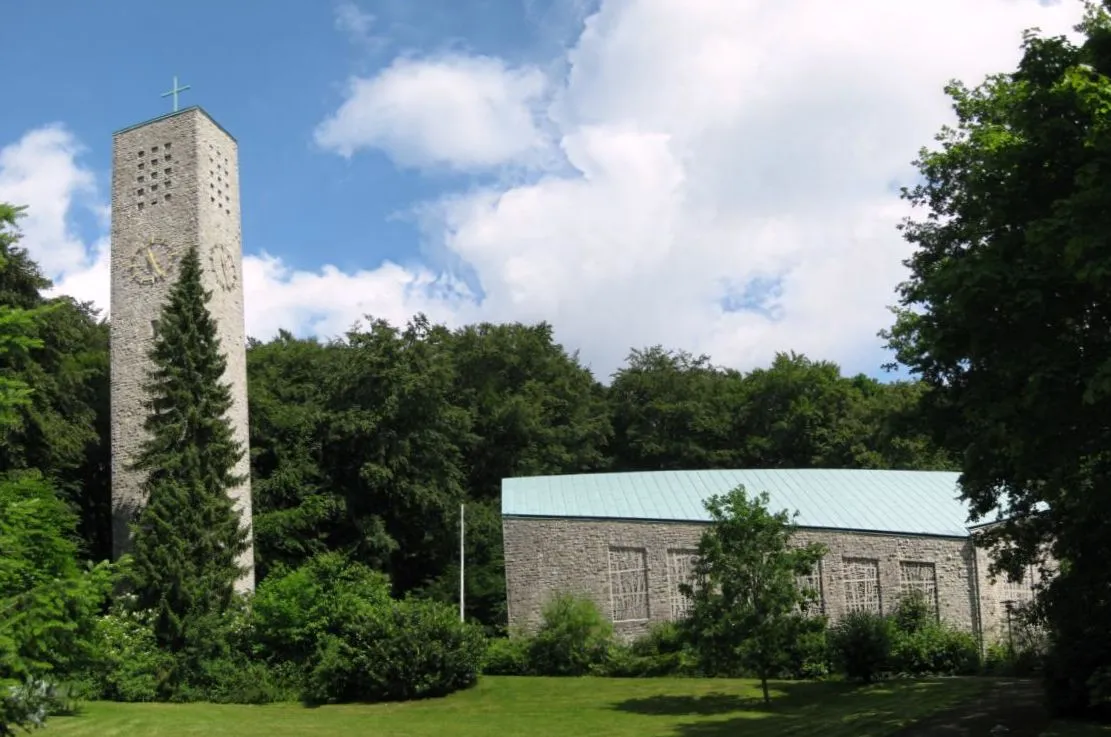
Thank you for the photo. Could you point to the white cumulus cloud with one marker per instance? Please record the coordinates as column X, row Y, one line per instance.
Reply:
column 712, row 175
column 458, row 111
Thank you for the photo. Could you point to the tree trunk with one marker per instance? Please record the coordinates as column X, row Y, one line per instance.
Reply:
column 764, row 685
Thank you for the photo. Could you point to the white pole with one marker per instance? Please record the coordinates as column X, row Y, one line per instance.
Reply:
column 461, row 554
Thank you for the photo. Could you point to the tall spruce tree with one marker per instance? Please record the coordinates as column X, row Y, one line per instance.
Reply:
column 187, row 538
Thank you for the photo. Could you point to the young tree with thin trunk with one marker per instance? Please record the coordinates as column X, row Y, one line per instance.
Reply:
column 745, row 596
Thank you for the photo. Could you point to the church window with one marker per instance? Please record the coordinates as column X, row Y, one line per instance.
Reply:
column 921, row 578
column 680, row 569
column 811, row 583
column 862, row 585
column 1019, row 593
column 628, row 583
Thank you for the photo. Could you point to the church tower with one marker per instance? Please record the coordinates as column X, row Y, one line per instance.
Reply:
column 175, row 183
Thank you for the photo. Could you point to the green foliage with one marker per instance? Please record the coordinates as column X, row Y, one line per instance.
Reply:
column 573, row 638
column 403, row 650
column 913, row 613
column 346, row 462
column 745, row 597
column 663, row 651
column 47, row 602
column 1004, row 318
column 58, row 348
column 506, row 656
column 188, row 537
column 235, row 678
column 1022, row 651
column 130, row 665
column 27, row 704
column 921, row 645
column 127, row 664
column 808, row 655
column 293, row 610
column 935, row 649
column 860, row 645
column 333, row 621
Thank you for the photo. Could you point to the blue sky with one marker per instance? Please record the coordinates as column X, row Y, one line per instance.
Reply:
column 712, row 176
column 269, row 76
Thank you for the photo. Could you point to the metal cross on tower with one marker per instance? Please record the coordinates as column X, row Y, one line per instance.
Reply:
column 174, row 92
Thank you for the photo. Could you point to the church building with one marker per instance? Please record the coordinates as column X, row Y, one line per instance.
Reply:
column 627, row 540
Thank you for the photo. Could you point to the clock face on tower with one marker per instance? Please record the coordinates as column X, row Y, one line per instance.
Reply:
column 153, row 263
column 223, row 267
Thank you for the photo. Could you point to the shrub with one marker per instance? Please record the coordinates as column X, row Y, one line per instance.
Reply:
column 913, row 613
column 808, row 657
column 663, row 651
column 292, row 610
column 127, row 664
column 506, row 656
column 400, row 650
column 860, row 645
column 26, row 705
column 1001, row 660
column 236, row 679
column 573, row 638
column 663, row 638
column 935, row 649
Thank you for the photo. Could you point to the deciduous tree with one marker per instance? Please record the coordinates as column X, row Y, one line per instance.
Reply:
column 1006, row 318
column 745, row 596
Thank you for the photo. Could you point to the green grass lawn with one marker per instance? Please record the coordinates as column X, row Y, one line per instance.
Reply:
column 507, row 707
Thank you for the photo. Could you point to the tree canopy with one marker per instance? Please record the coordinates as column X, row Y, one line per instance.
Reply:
column 1005, row 318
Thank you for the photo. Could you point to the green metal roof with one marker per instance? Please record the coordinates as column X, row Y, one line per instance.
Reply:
column 908, row 502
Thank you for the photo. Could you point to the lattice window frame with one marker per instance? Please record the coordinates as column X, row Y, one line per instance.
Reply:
column 813, row 580
column 680, row 569
column 921, row 576
column 1022, row 593
column 861, row 583
column 628, row 575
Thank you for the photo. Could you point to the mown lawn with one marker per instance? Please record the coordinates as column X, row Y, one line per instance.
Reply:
column 506, row 707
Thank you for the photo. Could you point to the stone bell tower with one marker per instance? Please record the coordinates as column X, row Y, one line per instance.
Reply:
column 175, row 183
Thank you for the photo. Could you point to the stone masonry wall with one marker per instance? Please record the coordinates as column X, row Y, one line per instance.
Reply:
column 175, row 183
column 547, row 556
column 995, row 591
